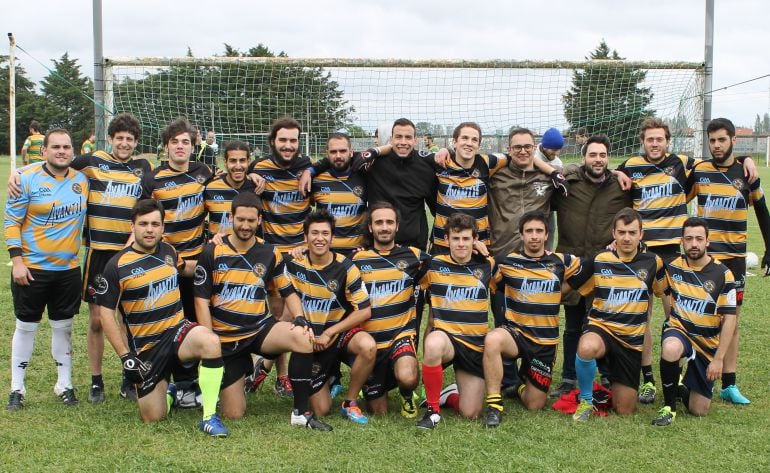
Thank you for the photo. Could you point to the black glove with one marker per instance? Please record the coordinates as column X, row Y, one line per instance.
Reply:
column 300, row 321
column 559, row 183
column 134, row 369
column 766, row 263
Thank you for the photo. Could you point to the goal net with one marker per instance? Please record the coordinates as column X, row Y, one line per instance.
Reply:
column 238, row 96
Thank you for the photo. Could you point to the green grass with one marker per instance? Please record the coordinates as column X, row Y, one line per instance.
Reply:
column 109, row 437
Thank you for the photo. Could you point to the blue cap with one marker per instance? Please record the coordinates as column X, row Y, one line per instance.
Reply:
column 552, row 139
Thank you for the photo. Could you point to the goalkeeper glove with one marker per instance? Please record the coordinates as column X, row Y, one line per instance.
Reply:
column 559, row 183
column 134, row 369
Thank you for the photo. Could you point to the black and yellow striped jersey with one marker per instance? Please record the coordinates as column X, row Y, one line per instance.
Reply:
column 532, row 290
column 344, row 196
column 659, row 194
column 724, row 197
column 622, row 291
column 700, row 298
column 328, row 293
column 459, row 297
column 236, row 284
column 114, row 188
column 283, row 207
column 391, row 278
column 144, row 288
column 465, row 190
column 181, row 193
column 218, row 199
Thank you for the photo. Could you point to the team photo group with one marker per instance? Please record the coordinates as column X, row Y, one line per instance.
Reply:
column 203, row 281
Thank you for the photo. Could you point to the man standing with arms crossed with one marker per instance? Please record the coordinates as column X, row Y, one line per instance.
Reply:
column 43, row 229
column 723, row 200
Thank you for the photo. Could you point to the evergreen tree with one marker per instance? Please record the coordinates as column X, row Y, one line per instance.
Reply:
column 67, row 104
column 28, row 107
column 608, row 99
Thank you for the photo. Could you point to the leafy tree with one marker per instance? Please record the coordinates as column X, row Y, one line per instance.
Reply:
column 28, row 106
column 758, row 128
column 605, row 98
column 209, row 94
column 67, row 104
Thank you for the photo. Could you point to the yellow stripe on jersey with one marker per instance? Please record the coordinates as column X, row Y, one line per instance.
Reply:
column 344, row 196
column 700, row 297
column 328, row 293
column 459, row 298
column 659, row 194
column 144, row 287
column 283, row 208
column 390, row 278
column 465, row 190
column 622, row 292
column 236, row 284
column 181, row 194
column 34, row 145
column 533, row 292
column 723, row 198
column 218, row 198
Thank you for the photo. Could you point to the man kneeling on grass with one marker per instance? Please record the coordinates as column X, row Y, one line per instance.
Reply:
column 142, row 281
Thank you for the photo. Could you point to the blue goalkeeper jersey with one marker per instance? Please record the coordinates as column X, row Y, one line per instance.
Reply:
column 44, row 224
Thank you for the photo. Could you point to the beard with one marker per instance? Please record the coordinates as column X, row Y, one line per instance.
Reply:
column 724, row 157
column 592, row 173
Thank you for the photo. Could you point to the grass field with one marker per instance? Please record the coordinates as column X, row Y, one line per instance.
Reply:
column 109, row 437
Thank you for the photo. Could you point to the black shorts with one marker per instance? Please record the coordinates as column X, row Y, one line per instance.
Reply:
column 58, row 290
column 537, row 360
column 695, row 376
column 93, row 266
column 470, row 361
column 162, row 357
column 237, row 355
column 383, row 377
column 667, row 253
column 325, row 362
column 625, row 364
column 738, row 268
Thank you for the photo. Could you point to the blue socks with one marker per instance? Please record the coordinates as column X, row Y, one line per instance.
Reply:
column 586, row 370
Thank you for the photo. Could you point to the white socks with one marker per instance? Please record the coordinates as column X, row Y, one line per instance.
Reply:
column 21, row 351
column 61, row 350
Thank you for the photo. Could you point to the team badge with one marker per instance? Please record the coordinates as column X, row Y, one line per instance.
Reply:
column 200, row 179
column 77, row 189
column 169, row 260
column 137, row 172
column 332, row 285
column 478, row 274
column 358, row 191
column 260, row 269
column 642, row 274
column 401, row 264
column 315, row 369
column 738, row 184
column 199, row 277
column 540, row 188
column 475, row 173
column 100, row 285
column 550, row 267
column 669, row 170
column 709, row 286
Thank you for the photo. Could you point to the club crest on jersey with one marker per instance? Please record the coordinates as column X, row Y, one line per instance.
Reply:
column 332, row 285
column 478, row 274
column 401, row 264
column 137, row 172
column 642, row 274
column 709, row 286
column 169, row 260
column 315, row 369
column 260, row 269
column 669, row 171
column 199, row 276
column 358, row 191
column 76, row 188
column 475, row 173
column 200, row 179
column 550, row 267
column 738, row 183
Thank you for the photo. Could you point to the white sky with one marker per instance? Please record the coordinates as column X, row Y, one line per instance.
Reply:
column 521, row 29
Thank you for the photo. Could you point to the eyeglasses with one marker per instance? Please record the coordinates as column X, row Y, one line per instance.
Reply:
column 517, row 148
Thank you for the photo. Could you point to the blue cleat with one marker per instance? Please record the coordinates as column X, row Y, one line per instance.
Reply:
column 353, row 413
column 213, row 426
column 733, row 394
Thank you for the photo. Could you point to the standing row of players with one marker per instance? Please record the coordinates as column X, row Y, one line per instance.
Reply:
column 180, row 187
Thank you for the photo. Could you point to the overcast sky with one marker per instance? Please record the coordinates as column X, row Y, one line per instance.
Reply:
column 521, row 29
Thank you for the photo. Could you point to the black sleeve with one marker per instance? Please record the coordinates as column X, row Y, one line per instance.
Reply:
column 203, row 272
column 763, row 218
column 107, row 288
column 81, row 161
column 147, row 185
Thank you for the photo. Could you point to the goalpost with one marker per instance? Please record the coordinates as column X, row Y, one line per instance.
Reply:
column 238, row 97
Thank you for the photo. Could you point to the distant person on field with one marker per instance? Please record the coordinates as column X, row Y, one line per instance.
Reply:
column 31, row 150
column 89, row 145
